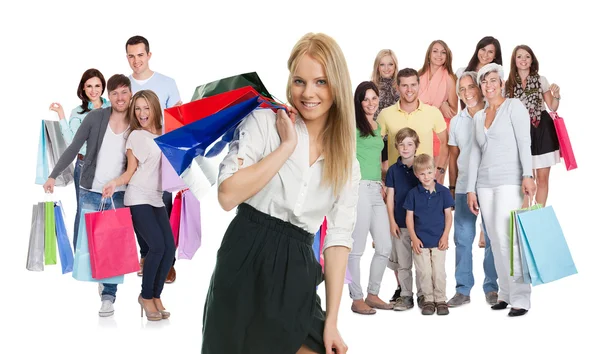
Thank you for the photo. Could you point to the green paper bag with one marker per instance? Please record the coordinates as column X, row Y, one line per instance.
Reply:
column 231, row 83
column 49, row 234
column 513, row 234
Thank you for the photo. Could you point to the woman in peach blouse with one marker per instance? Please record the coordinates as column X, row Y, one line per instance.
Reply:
column 437, row 87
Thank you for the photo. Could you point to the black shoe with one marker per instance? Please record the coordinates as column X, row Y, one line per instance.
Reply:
column 516, row 312
column 501, row 305
column 396, row 295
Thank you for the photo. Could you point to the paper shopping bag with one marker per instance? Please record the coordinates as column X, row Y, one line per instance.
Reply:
column 51, row 146
column 35, row 253
column 566, row 150
column 190, row 230
column 231, row 83
column 82, row 269
column 65, row 251
column 49, row 234
column 546, row 245
column 112, row 243
column 175, row 217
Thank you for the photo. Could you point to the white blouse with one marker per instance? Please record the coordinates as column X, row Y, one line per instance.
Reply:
column 295, row 194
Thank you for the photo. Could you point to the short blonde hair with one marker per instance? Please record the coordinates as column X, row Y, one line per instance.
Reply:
column 423, row 162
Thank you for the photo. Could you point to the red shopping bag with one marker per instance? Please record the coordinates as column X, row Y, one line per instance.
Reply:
column 175, row 218
column 178, row 116
column 566, row 150
column 112, row 244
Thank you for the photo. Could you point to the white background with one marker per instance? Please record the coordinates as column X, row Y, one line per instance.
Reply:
column 46, row 46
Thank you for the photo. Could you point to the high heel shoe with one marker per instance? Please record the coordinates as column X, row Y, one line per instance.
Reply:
column 164, row 314
column 151, row 316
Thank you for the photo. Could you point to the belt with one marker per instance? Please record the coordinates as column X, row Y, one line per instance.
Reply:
column 80, row 157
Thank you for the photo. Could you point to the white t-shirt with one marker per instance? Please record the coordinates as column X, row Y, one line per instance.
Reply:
column 111, row 162
column 145, row 184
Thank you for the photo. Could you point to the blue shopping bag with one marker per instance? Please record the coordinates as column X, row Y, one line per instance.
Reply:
column 183, row 144
column 82, row 268
column 42, row 169
column 317, row 245
column 547, row 253
column 64, row 245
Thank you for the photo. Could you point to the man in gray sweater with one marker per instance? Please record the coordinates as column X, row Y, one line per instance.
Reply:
column 104, row 132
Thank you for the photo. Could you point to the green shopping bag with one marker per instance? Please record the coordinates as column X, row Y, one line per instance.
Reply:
column 514, row 240
column 229, row 84
column 49, row 234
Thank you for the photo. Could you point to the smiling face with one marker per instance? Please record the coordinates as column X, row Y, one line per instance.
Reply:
column 310, row 90
column 426, row 176
column 93, row 89
column 491, row 85
column 468, row 92
column 370, row 103
column 387, row 68
column 143, row 113
column 523, row 59
column 138, row 58
column 120, row 98
column 438, row 55
column 407, row 148
column 409, row 89
column 486, row 54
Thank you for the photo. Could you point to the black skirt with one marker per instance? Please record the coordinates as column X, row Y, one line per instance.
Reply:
column 544, row 142
column 262, row 297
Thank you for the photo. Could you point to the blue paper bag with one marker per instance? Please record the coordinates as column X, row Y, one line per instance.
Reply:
column 317, row 245
column 64, row 246
column 546, row 250
column 183, row 144
column 82, row 268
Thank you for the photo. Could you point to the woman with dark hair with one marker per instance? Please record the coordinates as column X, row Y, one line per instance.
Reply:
column 437, row 88
column 487, row 51
column 371, row 210
column 90, row 90
column 525, row 83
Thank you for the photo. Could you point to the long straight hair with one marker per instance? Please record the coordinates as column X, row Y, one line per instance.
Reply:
column 362, row 123
column 155, row 111
column 511, row 82
column 339, row 134
column 427, row 63
column 375, row 75
column 483, row 42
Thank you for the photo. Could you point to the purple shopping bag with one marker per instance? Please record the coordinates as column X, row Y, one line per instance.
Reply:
column 190, row 232
column 171, row 182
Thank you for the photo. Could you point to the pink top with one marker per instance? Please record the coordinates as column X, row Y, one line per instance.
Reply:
column 434, row 92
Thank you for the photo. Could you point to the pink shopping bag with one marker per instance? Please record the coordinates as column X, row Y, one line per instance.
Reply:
column 566, row 150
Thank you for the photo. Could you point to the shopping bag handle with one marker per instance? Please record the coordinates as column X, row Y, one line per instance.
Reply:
column 103, row 203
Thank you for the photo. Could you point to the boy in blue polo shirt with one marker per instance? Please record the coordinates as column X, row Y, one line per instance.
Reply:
column 428, row 219
column 400, row 179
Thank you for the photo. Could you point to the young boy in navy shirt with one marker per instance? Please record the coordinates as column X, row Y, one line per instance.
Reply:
column 428, row 219
column 399, row 180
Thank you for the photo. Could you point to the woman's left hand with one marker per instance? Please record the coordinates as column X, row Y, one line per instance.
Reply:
column 446, row 110
column 528, row 187
column 333, row 340
column 555, row 90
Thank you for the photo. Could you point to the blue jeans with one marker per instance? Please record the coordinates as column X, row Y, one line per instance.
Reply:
column 91, row 201
column 464, row 235
column 77, row 177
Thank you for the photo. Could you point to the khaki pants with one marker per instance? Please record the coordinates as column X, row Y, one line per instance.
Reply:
column 431, row 273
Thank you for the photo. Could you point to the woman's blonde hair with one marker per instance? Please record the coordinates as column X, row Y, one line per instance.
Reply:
column 339, row 135
column 155, row 111
column 376, row 76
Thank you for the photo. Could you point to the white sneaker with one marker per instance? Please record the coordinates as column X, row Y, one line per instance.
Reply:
column 106, row 309
column 100, row 289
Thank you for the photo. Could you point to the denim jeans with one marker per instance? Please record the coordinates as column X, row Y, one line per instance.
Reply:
column 91, row 201
column 77, row 177
column 464, row 235
column 168, row 200
column 152, row 224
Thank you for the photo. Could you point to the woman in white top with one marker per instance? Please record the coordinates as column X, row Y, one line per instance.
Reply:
column 144, row 197
column 285, row 173
column 500, row 174
column 525, row 83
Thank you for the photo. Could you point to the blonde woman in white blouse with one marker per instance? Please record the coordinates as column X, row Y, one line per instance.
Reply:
column 285, row 173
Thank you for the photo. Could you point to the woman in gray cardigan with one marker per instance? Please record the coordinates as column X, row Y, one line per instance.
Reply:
column 500, row 178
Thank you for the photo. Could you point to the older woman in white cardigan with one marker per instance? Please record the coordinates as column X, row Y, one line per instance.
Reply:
column 501, row 179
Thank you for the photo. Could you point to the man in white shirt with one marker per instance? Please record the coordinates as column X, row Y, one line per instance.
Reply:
column 142, row 78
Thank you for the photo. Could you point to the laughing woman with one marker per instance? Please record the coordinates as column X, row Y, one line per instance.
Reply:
column 525, row 83
column 284, row 174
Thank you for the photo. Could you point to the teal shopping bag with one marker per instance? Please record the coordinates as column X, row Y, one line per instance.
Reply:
column 42, row 169
column 82, row 268
column 548, row 255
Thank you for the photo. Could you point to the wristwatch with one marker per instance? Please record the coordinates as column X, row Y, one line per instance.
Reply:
column 441, row 170
column 527, row 176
